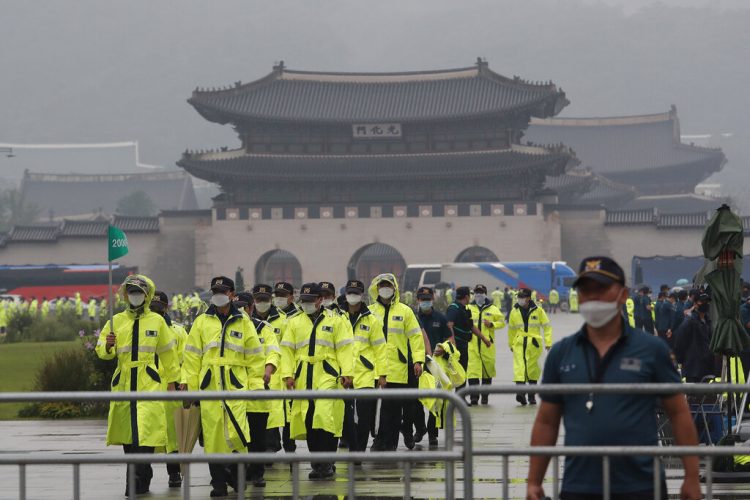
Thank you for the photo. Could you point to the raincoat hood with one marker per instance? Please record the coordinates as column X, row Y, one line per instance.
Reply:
column 144, row 283
column 373, row 290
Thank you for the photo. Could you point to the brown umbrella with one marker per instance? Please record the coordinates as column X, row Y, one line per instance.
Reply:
column 187, row 424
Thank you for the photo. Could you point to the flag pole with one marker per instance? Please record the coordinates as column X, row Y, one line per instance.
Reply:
column 109, row 291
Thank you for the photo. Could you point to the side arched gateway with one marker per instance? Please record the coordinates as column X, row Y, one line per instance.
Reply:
column 278, row 265
column 373, row 259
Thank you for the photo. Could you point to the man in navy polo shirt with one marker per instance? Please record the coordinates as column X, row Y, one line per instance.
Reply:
column 608, row 350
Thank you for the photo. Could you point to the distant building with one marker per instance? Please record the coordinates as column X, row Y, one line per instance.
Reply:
column 65, row 195
column 623, row 158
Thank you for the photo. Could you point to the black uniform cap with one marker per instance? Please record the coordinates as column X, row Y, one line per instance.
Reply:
column 222, row 284
column 161, row 297
column 309, row 291
column 524, row 293
column 355, row 286
column 425, row 292
column 283, row 286
column 244, row 299
column 480, row 289
column 262, row 291
column 600, row 269
column 327, row 286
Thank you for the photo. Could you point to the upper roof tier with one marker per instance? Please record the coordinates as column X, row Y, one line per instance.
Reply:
column 318, row 97
column 625, row 144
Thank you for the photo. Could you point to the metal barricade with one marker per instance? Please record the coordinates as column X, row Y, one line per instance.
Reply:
column 606, row 451
column 450, row 455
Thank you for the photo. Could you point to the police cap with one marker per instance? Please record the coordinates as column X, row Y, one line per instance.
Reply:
column 600, row 269
column 222, row 284
column 262, row 291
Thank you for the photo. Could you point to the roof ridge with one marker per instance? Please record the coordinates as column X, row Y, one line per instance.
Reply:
column 599, row 121
column 54, row 177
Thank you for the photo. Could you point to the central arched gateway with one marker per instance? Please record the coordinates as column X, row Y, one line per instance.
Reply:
column 373, row 259
column 278, row 265
column 477, row 254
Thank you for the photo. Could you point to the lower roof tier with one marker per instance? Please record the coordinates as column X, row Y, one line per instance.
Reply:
column 238, row 166
column 514, row 173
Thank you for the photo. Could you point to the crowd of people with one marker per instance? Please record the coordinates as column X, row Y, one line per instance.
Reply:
column 318, row 338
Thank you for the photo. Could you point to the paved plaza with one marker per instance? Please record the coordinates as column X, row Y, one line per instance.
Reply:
column 501, row 424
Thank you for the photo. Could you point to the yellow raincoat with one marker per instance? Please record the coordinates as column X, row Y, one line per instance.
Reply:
column 315, row 355
column 482, row 358
column 144, row 349
column 525, row 339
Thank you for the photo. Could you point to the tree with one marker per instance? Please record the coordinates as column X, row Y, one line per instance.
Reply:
column 14, row 211
column 137, row 203
column 239, row 280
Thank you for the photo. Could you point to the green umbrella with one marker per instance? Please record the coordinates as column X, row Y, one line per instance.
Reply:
column 722, row 272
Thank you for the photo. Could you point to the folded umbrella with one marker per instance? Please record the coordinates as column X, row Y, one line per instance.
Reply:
column 187, row 423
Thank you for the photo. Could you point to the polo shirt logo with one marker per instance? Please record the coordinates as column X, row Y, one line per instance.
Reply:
column 235, row 334
column 630, row 364
column 436, row 324
column 150, row 333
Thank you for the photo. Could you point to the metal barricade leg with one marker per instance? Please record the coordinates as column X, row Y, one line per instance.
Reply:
column 351, row 487
column 295, row 480
column 506, row 478
column 131, row 481
column 22, row 482
column 186, row 481
column 241, row 480
column 76, row 481
column 605, row 478
column 407, row 480
column 657, row 478
column 555, row 477
column 709, row 478
column 450, row 472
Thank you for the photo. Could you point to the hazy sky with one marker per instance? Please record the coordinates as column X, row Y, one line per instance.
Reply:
column 97, row 70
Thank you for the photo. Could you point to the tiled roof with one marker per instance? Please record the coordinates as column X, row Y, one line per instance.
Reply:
column 131, row 224
column 694, row 220
column 73, row 194
column 79, row 229
column 217, row 167
column 627, row 144
column 624, row 217
column 36, row 232
column 675, row 204
column 288, row 95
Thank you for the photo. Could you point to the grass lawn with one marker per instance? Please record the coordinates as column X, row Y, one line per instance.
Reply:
column 19, row 363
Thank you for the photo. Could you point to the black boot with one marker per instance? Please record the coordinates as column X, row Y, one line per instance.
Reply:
column 532, row 396
column 520, row 397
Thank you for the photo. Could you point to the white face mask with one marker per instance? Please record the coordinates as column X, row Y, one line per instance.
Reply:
column 386, row 292
column 479, row 298
column 522, row 302
column 309, row 307
column 219, row 299
column 136, row 299
column 326, row 302
column 262, row 306
column 280, row 302
column 597, row 313
column 353, row 298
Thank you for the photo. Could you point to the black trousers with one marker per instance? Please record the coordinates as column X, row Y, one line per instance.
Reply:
column 395, row 414
column 432, row 430
column 463, row 360
column 475, row 381
column 318, row 439
column 173, row 468
column 348, row 434
column 257, row 423
column 417, row 410
column 365, row 410
column 143, row 472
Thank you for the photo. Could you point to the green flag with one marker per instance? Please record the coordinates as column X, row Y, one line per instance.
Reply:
column 118, row 243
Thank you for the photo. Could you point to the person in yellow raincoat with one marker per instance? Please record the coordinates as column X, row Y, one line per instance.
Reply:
column 144, row 346
column 452, row 374
column 160, row 305
column 224, row 353
column 573, row 300
column 488, row 318
column 316, row 352
column 259, row 412
column 405, row 352
column 527, row 325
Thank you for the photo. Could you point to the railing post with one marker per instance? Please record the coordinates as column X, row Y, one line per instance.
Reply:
column 295, row 480
column 185, row 481
column 407, row 480
column 605, row 478
column 131, row 481
column 709, row 477
column 555, row 477
column 76, row 482
column 657, row 478
column 506, row 478
column 241, row 484
column 351, row 487
column 22, row 481
column 450, row 477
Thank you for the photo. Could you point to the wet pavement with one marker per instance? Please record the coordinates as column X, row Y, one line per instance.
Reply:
column 500, row 424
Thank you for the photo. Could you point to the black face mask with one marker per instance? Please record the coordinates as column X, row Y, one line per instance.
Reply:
column 704, row 308
column 157, row 307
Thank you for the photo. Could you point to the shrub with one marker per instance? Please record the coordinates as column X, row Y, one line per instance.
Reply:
column 19, row 322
